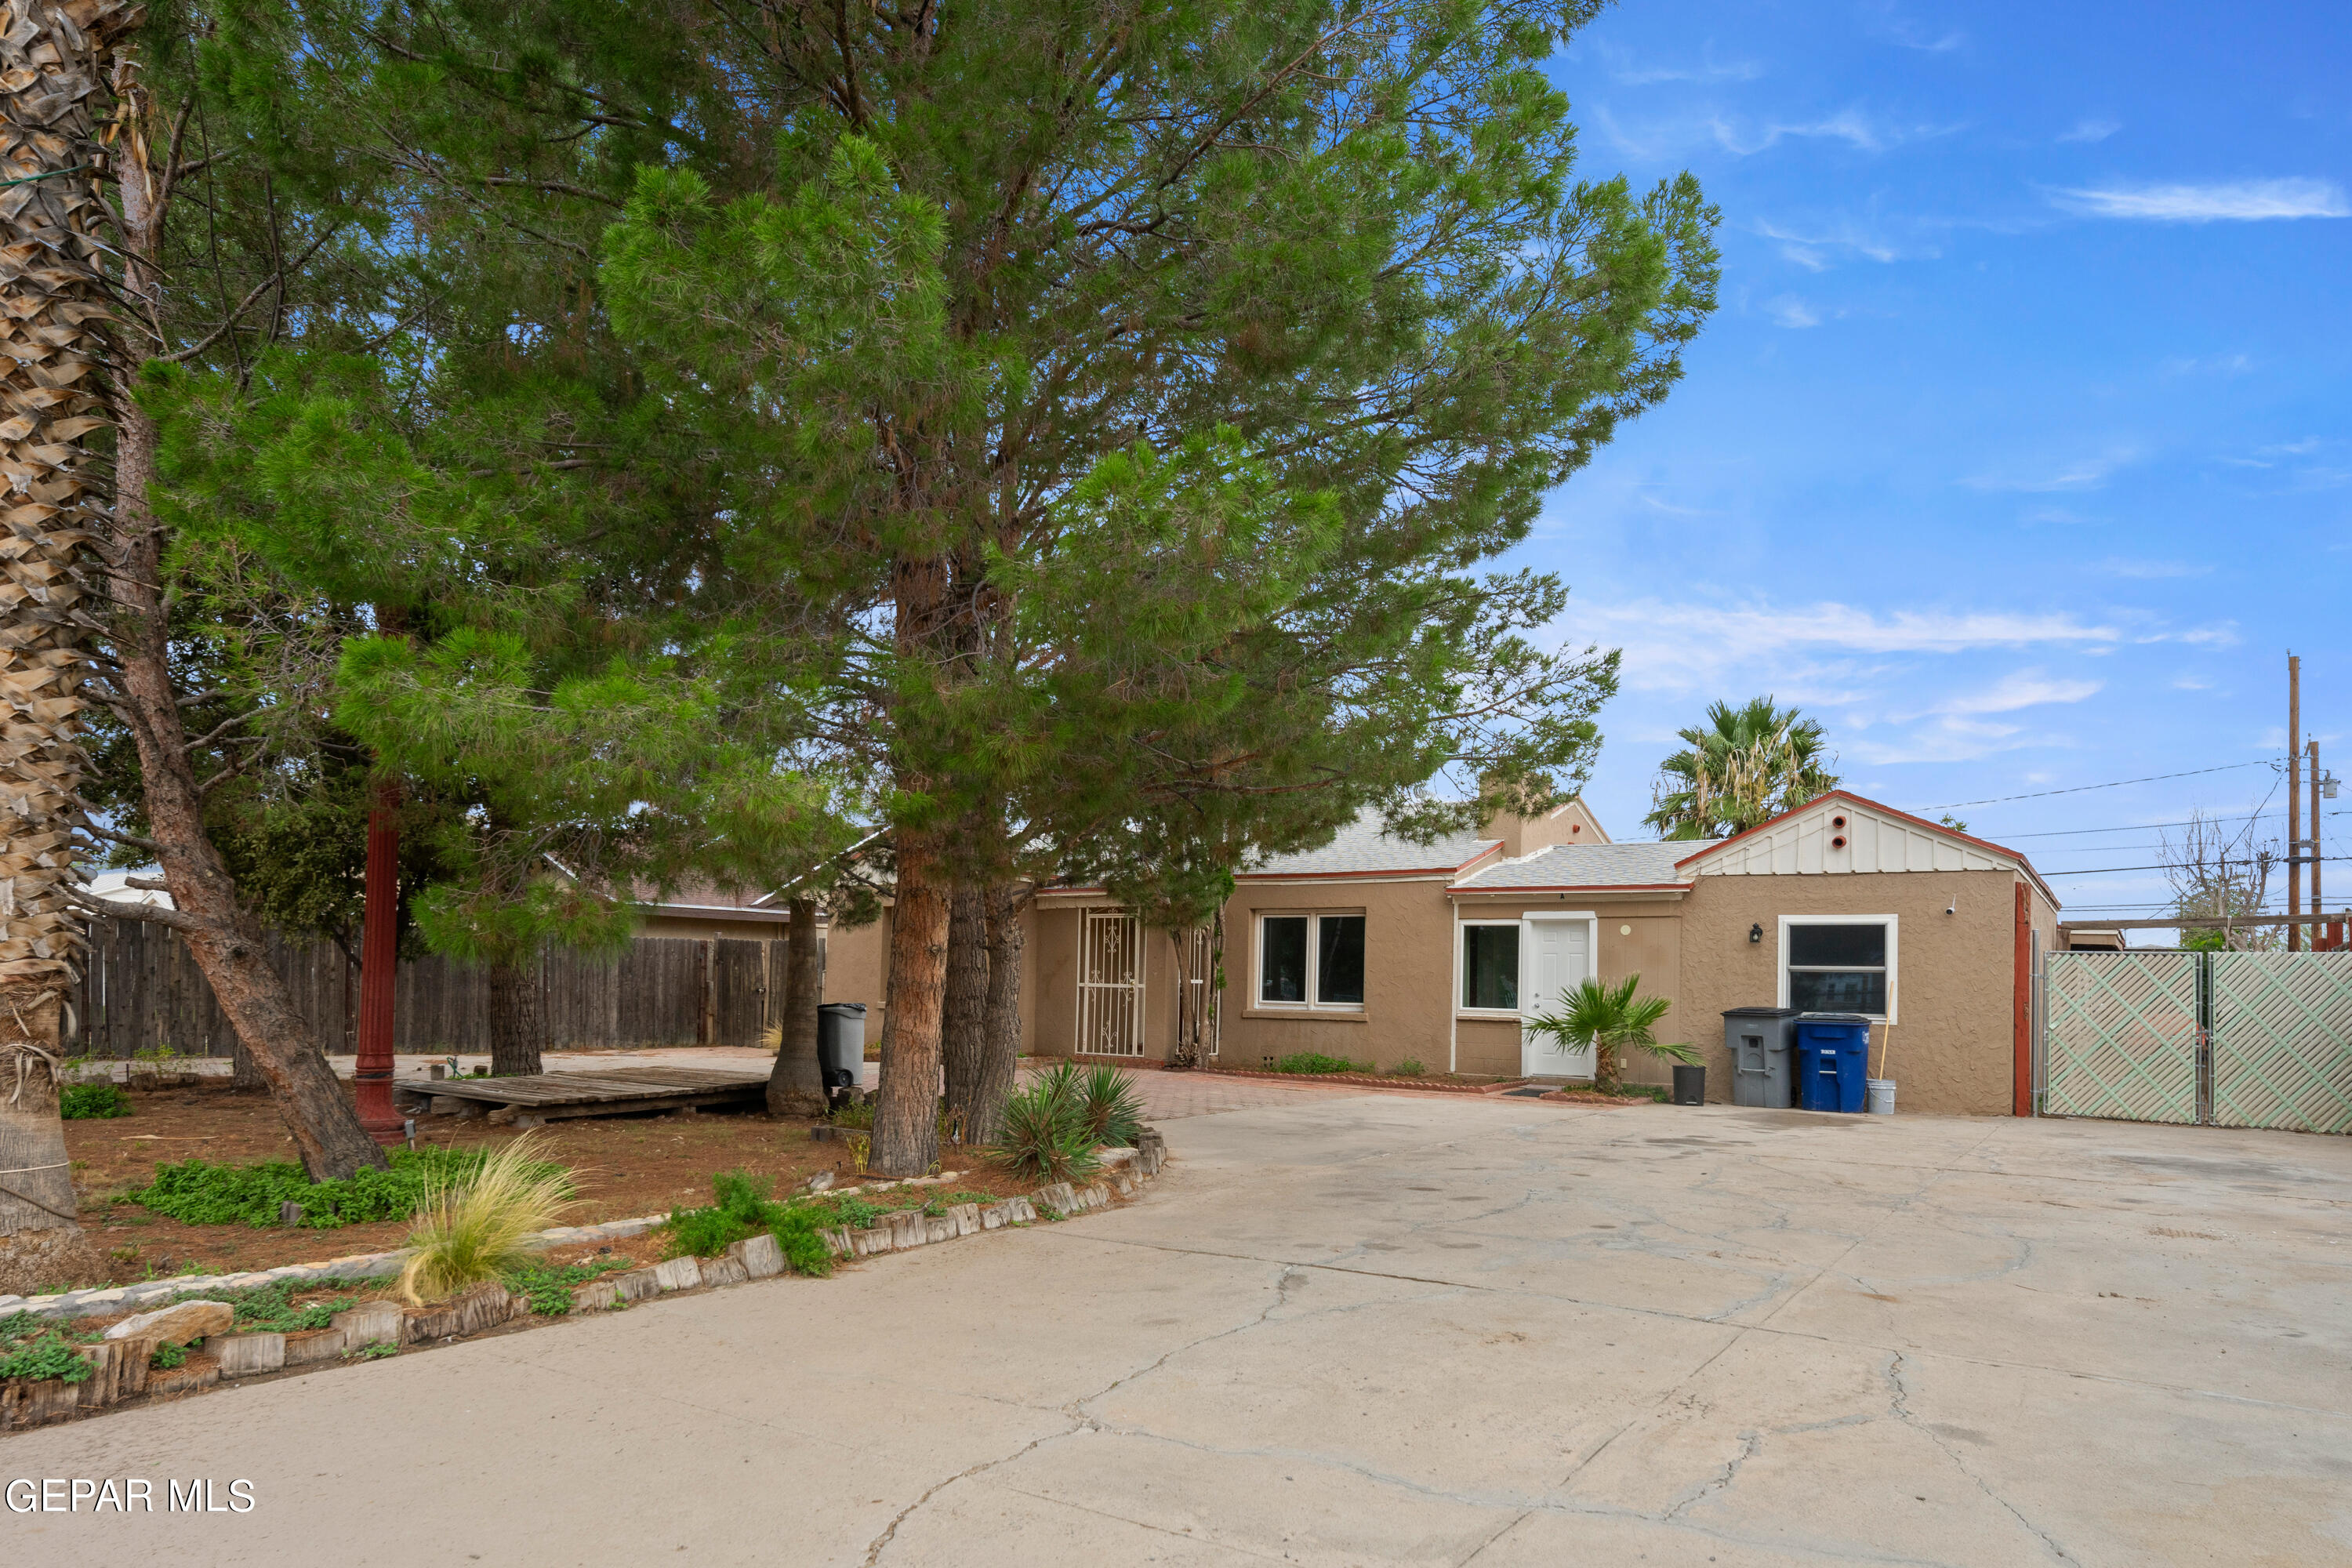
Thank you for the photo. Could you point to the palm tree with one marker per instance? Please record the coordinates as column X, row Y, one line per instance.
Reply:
column 1610, row 1018
column 49, row 70
column 1744, row 766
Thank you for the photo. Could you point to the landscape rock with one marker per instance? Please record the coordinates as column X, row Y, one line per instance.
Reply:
column 679, row 1273
column 717, row 1271
column 486, row 1306
column 317, row 1345
column 940, row 1227
column 637, row 1284
column 1059, row 1197
column 908, row 1229
column 867, row 1243
column 996, row 1216
column 760, row 1255
column 369, row 1323
column 1112, row 1159
column 1021, row 1211
column 241, row 1355
column 818, row 1183
column 181, row 1325
column 966, row 1217
column 197, row 1371
column 595, row 1296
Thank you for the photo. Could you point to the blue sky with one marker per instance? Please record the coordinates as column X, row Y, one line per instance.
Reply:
column 2019, row 451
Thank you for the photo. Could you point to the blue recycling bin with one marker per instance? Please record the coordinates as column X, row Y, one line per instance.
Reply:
column 1832, row 1058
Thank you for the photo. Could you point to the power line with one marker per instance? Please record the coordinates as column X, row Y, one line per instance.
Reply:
column 2077, row 789
column 2160, row 866
column 2144, row 826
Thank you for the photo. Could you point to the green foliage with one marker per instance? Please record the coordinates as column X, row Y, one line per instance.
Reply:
column 1409, row 1067
column 1046, row 1134
column 1316, row 1062
column 742, row 1208
column 1610, row 1018
column 43, row 1356
column 196, row 1192
column 376, row 1351
column 271, row 1309
column 858, row 1113
column 167, row 1356
column 1744, row 766
column 92, row 1101
column 549, row 1285
column 1113, row 1109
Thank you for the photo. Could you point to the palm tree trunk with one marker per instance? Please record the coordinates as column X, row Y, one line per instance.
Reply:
column 796, row 1083
column 51, row 288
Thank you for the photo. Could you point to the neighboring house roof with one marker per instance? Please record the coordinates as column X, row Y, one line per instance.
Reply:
column 1361, row 850
column 110, row 885
column 1877, row 839
column 1585, row 866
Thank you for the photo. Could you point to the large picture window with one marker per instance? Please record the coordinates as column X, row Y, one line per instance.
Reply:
column 1490, row 966
column 1318, row 957
column 1842, row 963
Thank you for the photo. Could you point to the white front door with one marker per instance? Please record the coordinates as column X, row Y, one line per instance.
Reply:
column 1558, row 958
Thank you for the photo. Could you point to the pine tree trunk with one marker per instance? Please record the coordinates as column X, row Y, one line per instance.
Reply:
column 226, row 938
column 51, row 290
column 963, row 1023
column 796, row 1083
column 905, row 1117
column 517, row 1030
column 1001, row 1047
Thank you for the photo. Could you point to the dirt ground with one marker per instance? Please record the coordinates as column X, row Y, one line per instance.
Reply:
column 623, row 1166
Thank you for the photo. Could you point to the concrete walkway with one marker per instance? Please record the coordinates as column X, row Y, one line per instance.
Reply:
column 1374, row 1329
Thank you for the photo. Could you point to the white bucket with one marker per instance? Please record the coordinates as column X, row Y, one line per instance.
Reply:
column 1878, row 1096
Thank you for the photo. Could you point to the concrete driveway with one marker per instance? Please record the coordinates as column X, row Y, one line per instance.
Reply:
column 1374, row 1327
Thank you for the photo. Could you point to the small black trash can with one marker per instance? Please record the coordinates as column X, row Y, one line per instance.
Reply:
column 1690, row 1086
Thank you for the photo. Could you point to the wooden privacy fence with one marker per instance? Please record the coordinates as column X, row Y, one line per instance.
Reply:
column 144, row 992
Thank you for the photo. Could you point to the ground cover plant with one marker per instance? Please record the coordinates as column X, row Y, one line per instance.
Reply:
column 742, row 1207
column 1316, row 1062
column 477, row 1225
column 92, row 1101
column 272, row 1308
column 549, row 1285
column 196, row 1192
column 39, row 1348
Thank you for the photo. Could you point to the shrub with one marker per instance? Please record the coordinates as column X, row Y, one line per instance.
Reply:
column 92, row 1101
column 1045, row 1132
column 1409, row 1067
column 858, row 1113
column 167, row 1356
column 1114, row 1111
column 1316, row 1061
column 480, row 1229
column 194, row 1193
column 549, row 1286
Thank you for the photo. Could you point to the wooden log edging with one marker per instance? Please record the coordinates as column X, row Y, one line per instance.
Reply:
column 120, row 1371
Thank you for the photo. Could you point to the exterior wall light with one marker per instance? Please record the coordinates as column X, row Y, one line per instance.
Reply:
column 1756, row 932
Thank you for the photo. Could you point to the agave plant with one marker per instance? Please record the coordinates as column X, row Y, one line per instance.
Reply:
column 1610, row 1019
column 1114, row 1111
column 1047, row 1135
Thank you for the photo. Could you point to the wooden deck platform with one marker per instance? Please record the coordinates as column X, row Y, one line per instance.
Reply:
column 538, row 1097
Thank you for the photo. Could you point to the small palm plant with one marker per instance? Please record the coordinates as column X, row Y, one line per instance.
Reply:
column 1610, row 1018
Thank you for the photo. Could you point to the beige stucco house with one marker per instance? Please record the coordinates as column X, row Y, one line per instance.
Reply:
column 1379, row 950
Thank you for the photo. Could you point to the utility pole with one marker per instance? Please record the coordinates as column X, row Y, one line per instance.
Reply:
column 2312, row 750
column 2294, row 800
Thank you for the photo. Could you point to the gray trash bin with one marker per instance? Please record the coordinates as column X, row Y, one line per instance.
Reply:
column 1763, row 1042
column 841, row 1044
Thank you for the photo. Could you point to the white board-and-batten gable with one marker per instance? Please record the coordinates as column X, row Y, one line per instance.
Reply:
column 1804, row 843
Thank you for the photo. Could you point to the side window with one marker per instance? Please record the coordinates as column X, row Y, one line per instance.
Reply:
column 1340, row 960
column 1282, row 958
column 1490, row 966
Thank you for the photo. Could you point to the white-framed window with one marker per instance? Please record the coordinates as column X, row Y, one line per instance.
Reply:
column 1490, row 966
column 1311, row 959
column 1840, row 963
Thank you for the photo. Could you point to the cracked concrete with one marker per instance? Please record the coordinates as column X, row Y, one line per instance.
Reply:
column 1371, row 1329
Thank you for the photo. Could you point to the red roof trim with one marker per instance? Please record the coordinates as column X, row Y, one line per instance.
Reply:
column 1878, row 805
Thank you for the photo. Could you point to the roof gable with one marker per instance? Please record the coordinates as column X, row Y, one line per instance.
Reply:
column 1575, row 866
column 1806, row 842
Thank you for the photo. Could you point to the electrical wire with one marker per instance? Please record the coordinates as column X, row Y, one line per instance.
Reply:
column 2078, row 789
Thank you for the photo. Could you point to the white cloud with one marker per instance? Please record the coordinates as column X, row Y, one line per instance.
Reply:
column 1787, row 310
column 2020, row 688
column 2154, row 570
column 1851, row 126
column 2191, row 683
column 2091, row 131
column 2226, row 201
column 2211, row 365
column 1678, row 647
column 1623, row 68
column 1806, row 246
column 2084, row 474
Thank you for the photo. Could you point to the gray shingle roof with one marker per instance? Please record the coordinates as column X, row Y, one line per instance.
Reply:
column 1587, row 865
column 1362, row 849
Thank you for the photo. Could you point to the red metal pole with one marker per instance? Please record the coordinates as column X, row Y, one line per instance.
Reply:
column 379, row 955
